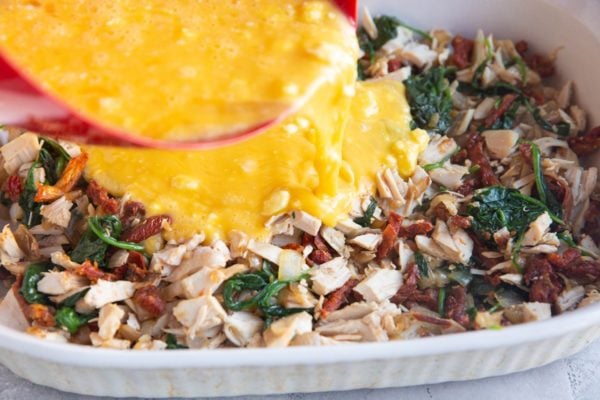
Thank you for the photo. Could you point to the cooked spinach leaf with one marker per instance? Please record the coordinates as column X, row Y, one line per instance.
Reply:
column 70, row 319
column 422, row 265
column 442, row 302
column 31, row 209
column 262, row 289
column 496, row 207
column 101, row 232
column 32, row 276
column 172, row 344
column 545, row 195
column 387, row 29
column 53, row 158
column 430, row 100
column 73, row 299
column 108, row 228
column 366, row 219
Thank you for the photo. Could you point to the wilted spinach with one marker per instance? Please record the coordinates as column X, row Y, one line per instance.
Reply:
column 266, row 287
column 366, row 219
column 496, row 207
column 70, row 319
column 387, row 29
column 31, row 277
column 430, row 99
column 422, row 264
column 31, row 209
column 545, row 195
column 172, row 344
column 101, row 232
column 53, row 158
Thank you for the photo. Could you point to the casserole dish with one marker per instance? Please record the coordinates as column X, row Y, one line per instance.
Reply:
column 454, row 357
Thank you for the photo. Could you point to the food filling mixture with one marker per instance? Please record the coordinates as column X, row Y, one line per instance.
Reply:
column 445, row 191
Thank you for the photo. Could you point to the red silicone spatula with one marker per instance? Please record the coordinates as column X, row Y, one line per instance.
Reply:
column 49, row 115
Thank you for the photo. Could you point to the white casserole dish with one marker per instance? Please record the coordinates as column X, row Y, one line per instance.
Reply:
column 453, row 357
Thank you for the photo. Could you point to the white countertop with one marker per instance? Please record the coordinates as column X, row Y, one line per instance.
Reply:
column 575, row 378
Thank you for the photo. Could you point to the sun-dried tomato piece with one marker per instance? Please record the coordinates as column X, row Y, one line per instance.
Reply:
column 339, row 298
column 522, row 46
column 496, row 113
column 409, row 294
column 100, row 198
column 456, row 306
column 459, row 157
column 92, row 272
column 294, row 246
column 41, row 315
column 443, row 323
column 468, row 187
column 149, row 299
column 390, row 234
column 148, row 228
column 67, row 181
column 135, row 268
column 544, row 284
column 477, row 156
column 321, row 253
column 13, row 187
column 560, row 261
column 417, row 228
column 541, row 64
column 394, row 65
column 132, row 211
column 592, row 221
column 585, row 144
column 463, row 48
column 457, row 222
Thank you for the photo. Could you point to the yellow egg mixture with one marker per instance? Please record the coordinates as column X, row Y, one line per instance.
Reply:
column 317, row 160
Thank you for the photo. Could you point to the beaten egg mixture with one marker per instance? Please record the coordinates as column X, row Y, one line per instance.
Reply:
column 317, row 160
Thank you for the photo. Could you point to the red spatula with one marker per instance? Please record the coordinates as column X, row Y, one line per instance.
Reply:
column 24, row 103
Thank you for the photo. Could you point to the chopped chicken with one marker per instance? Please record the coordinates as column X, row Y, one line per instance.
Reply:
column 418, row 54
column 449, row 175
column 202, row 257
column 10, row 252
column 500, row 143
column 428, row 246
column 283, row 331
column 145, row 342
column 57, row 283
column 537, row 230
column 330, row 276
column 238, row 243
column 352, row 311
column 368, row 241
column 265, row 250
column 241, row 326
column 105, row 292
column 306, row 222
column 109, row 321
column 58, row 212
column 12, row 313
column 380, row 285
column 439, row 148
column 204, row 282
column 23, row 149
column 527, row 312
column 200, row 315
column 61, row 259
column 334, row 238
column 569, row 298
column 118, row 344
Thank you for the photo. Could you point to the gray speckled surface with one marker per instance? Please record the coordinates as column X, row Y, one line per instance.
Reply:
column 575, row 378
